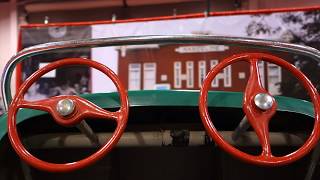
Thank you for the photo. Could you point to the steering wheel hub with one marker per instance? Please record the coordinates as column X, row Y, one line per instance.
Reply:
column 65, row 107
column 263, row 101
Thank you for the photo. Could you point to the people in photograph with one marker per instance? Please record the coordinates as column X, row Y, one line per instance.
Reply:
column 65, row 89
column 77, row 88
column 45, row 88
column 34, row 94
column 84, row 81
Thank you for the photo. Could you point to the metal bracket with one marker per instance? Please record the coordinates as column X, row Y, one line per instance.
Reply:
column 87, row 130
column 242, row 127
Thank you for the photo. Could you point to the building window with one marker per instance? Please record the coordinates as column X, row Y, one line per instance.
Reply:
column 227, row 80
column 261, row 72
column 190, row 74
column 177, row 74
column 149, row 76
column 215, row 81
column 202, row 72
column 274, row 79
column 134, row 80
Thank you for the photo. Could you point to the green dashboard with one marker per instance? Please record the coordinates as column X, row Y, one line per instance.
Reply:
column 170, row 98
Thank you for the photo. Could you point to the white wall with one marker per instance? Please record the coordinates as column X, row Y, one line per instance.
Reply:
column 8, row 33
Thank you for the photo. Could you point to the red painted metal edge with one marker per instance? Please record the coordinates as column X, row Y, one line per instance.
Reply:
column 195, row 15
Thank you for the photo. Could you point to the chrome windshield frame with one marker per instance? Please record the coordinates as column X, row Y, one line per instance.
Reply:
column 136, row 40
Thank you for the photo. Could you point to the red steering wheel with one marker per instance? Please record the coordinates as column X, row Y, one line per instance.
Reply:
column 80, row 109
column 257, row 115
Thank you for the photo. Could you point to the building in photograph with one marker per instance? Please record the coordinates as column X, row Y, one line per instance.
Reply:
column 150, row 67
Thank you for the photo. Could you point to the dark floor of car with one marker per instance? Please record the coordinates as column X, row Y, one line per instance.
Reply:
column 160, row 118
column 170, row 163
column 162, row 162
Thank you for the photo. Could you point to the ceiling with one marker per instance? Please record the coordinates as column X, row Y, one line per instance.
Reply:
column 56, row 5
column 111, row 2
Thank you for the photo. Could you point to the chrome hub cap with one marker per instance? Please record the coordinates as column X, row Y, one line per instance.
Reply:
column 65, row 107
column 263, row 101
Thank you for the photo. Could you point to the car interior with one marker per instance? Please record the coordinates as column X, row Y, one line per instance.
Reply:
column 163, row 134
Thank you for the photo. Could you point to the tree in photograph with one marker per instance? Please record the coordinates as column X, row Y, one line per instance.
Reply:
column 294, row 27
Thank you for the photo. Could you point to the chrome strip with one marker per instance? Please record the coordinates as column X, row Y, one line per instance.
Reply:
column 134, row 40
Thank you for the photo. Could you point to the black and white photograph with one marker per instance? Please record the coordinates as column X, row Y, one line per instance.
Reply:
column 62, row 81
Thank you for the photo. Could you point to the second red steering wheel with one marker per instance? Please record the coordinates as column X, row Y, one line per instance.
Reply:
column 259, row 106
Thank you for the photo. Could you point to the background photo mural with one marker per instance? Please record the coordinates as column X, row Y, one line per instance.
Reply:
column 179, row 66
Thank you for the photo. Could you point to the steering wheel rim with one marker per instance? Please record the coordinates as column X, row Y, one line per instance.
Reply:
column 121, row 116
column 265, row 158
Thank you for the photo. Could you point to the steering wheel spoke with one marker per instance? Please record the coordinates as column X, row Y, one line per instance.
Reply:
column 42, row 105
column 259, row 107
column 262, row 131
column 254, row 83
column 90, row 110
